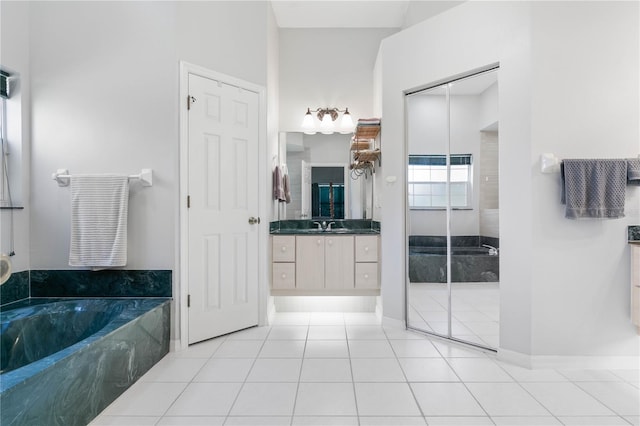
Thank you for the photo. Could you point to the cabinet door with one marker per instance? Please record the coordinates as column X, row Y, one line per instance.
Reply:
column 283, row 248
column 367, row 275
column 283, row 276
column 310, row 262
column 366, row 248
column 338, row 262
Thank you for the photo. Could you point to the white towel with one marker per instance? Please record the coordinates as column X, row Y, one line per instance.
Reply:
column 99, row 205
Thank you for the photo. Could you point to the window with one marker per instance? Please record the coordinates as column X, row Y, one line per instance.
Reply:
column 428, row 181
column 3, row 159
column 323, row 200
column 10, row 139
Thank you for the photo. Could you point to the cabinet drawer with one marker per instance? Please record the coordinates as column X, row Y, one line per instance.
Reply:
column 366, row 248
column 284, row 276
column 283, row 248
column 367, row 275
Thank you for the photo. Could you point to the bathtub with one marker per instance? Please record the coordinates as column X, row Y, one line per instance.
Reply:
column 64, row 361
column 470, row 262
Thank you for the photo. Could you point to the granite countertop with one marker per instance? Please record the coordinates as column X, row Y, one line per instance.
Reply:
column 633, row 234
column 340, row 226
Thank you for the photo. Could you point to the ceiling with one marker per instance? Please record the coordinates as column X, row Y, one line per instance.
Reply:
column 355, row 13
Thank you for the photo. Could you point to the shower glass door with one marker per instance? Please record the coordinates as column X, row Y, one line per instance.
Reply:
column 452, row 177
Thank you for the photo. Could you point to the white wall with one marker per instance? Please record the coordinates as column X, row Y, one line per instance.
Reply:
column 326, row 68
column 14, row 54
column 273, row 107
column 585, row 104
column 105, row 99
column 568, row 84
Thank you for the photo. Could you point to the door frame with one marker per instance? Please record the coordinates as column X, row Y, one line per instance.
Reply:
column 180, row 305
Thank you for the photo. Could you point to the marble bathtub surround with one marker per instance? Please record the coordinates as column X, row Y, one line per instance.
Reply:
column 106, row 283
column 470, row 262
column 633, row 234
column 71, row 386
column 16, row 288
column 456, row 241
column 340, row 226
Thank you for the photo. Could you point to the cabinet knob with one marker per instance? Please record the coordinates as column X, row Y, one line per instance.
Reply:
column 284, row 276
column 330, row 242
column 319, row 242
column 283, row 249
column 366, row 249
column 366, row 276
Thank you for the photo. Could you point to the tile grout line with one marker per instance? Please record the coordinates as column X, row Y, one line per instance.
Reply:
column 295, row 399
column 353, row 382
column 190, row 381
column 415, row 399
column 235, row 400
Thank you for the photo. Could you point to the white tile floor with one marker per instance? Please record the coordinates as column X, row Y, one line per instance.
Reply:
column 346, row 369
column 475, row 310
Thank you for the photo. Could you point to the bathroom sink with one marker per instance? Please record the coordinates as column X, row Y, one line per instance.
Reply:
column 324, row 231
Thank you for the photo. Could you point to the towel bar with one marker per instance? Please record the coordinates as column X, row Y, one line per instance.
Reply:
column 63, row 177
column 549, row 163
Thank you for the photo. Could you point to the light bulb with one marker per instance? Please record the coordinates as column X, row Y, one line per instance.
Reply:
column 307, row 123
column 346, row 124
column 326, row 125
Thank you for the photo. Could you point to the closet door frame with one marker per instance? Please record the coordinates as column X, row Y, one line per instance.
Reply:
column 446, row 83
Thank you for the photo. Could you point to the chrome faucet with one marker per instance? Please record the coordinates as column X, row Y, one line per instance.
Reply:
column 324, row 226
column 492, row 250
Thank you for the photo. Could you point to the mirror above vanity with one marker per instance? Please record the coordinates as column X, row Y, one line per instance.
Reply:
column 320, row 180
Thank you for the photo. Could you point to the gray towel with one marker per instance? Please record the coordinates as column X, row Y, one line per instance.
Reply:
column 594, row 188
column 278, row 184
column 633, row 171
column 286, row 187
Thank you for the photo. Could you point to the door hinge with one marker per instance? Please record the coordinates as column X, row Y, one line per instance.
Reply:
column 188, row 300
column 188, row 201
column 190, row 100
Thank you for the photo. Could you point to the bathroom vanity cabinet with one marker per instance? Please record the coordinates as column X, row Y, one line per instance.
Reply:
column 328, row 264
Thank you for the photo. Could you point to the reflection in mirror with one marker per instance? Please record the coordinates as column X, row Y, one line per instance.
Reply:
column 316, row 163
column 452, row 142
column 327, row 192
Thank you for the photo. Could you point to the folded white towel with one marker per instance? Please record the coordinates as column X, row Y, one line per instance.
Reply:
column 99, row 206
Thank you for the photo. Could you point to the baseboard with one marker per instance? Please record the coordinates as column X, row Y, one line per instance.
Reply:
column 535, row 362
column 393, row 323
column 175, row 345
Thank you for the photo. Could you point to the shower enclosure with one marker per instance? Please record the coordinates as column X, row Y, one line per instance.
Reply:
column 453, row 245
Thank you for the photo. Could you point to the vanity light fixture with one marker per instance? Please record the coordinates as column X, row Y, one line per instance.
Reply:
column 327, row 116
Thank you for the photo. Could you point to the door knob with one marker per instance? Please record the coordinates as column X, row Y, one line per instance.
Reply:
column 254, row 220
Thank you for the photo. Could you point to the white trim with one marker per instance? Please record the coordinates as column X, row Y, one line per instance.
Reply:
column 393, row 323
column 535, row 362
column 187, row 68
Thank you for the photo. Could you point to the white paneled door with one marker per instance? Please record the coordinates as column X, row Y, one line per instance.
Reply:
column 223, row 208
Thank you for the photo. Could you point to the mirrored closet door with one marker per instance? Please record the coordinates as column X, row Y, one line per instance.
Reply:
column 453, row 248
